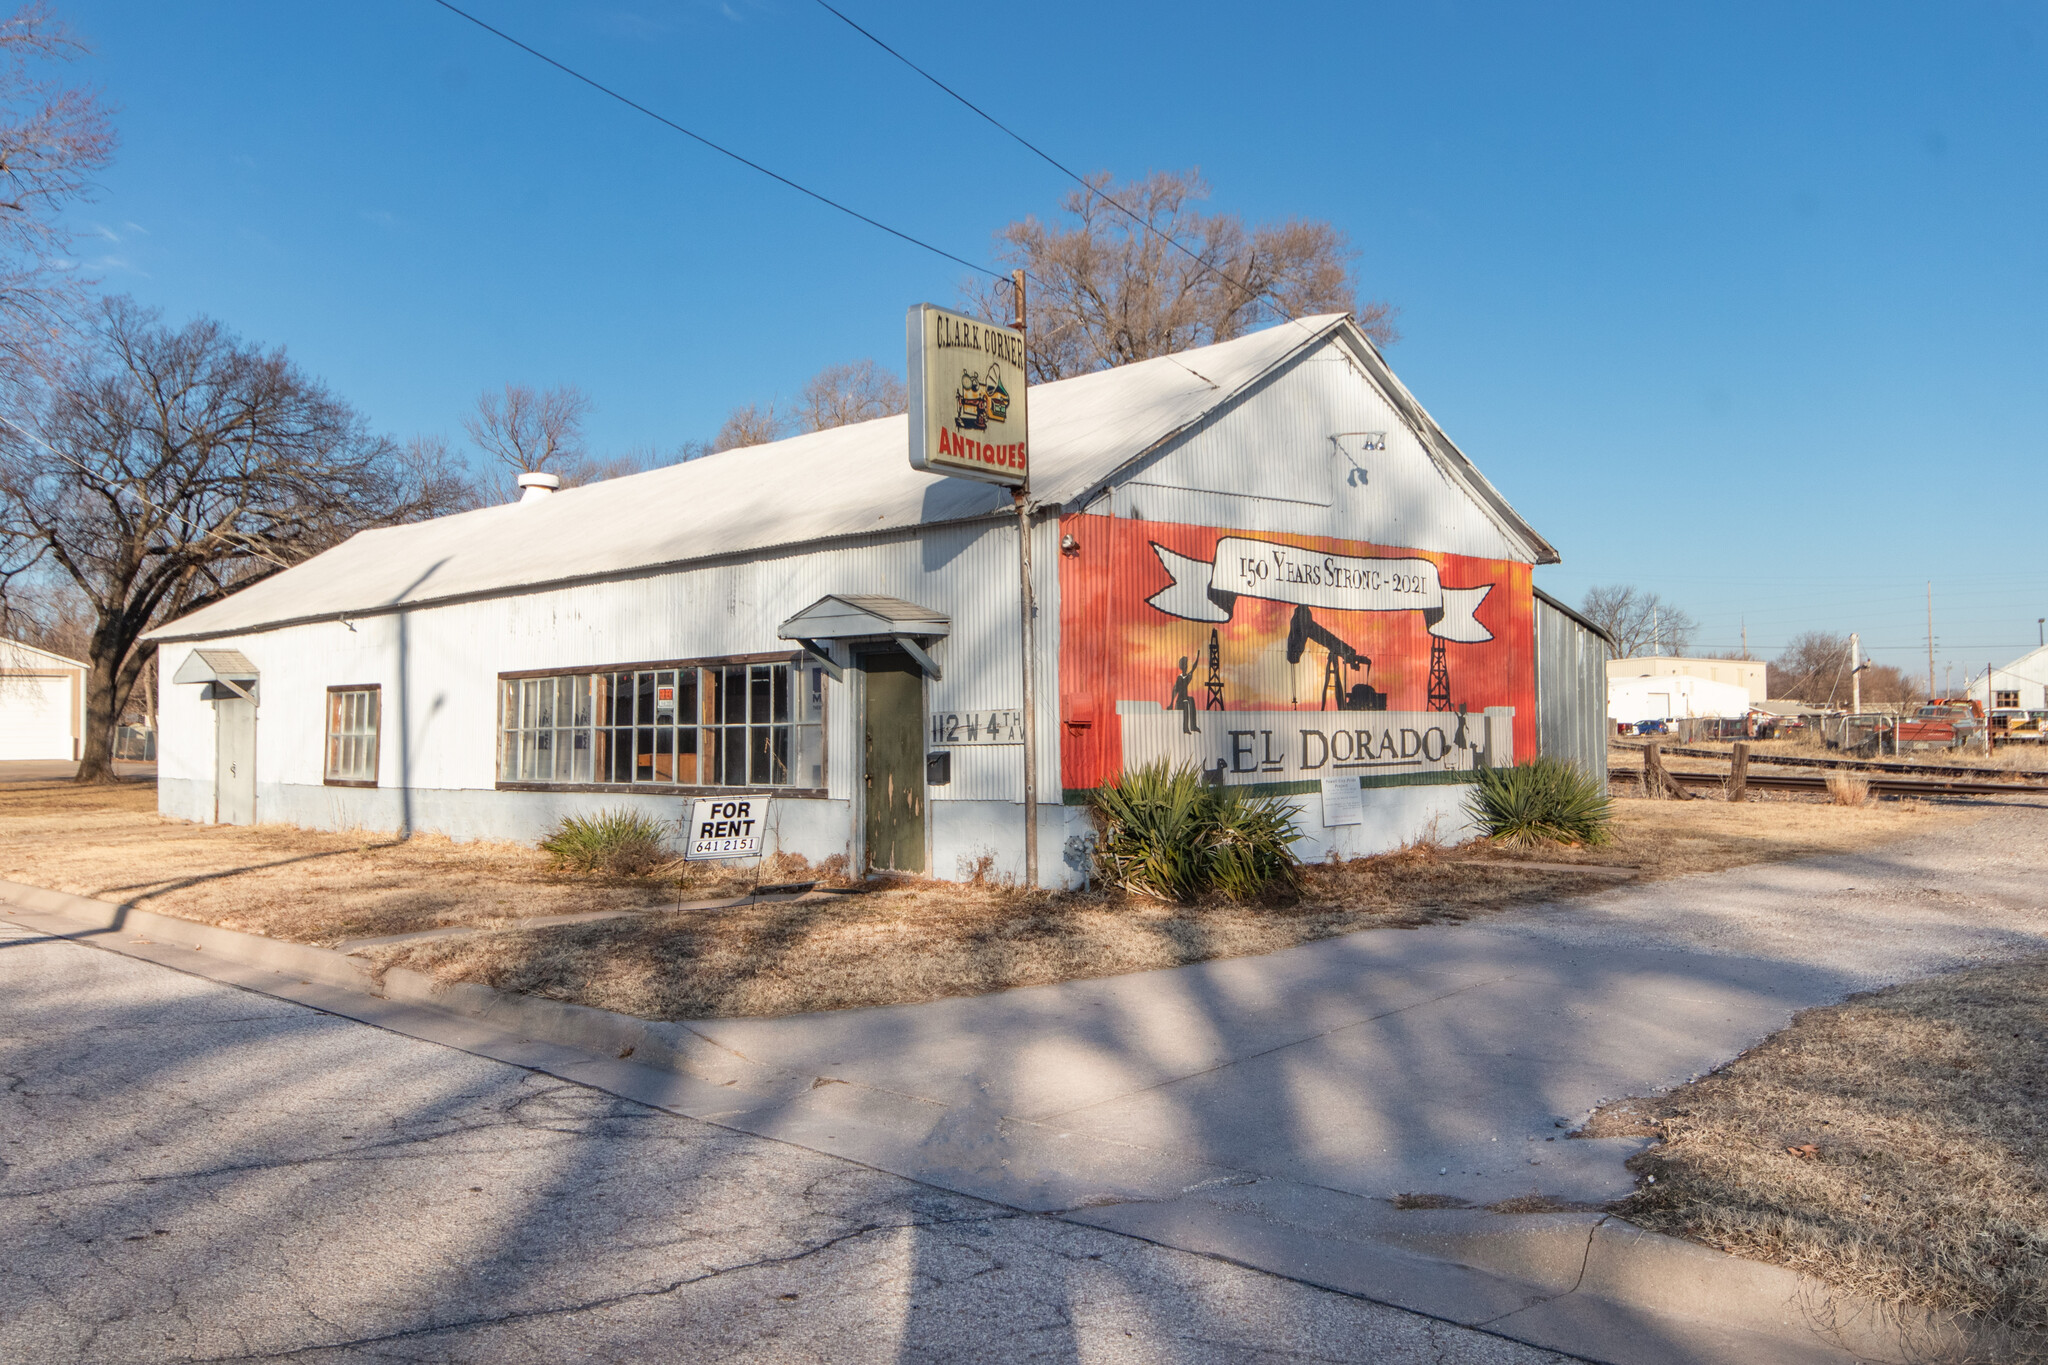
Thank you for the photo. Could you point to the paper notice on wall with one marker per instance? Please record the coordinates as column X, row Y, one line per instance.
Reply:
column 1343, row 801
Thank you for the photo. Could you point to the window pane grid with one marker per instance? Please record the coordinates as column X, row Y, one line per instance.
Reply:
column 737, row 725
column 352, row 716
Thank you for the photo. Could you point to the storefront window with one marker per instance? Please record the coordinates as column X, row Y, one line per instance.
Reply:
column 712, row 724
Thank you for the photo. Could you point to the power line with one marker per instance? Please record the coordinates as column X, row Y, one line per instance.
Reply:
column 1042, row 154
column 636, row 106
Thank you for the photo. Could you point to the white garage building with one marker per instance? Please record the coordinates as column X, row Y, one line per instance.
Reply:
column 42, row 700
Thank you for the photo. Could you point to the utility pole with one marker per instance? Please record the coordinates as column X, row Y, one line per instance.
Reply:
column 1656, row 634
column 1029, row 607
column 1930, row 640
column 1855, row 674
column 1745, row 637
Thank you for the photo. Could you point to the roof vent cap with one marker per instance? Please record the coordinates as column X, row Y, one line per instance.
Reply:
column 534, row 485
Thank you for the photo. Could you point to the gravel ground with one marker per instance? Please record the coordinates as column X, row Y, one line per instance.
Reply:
column 190, row 1172
column 1966, row 893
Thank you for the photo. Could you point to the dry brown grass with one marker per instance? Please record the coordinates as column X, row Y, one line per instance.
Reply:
column 927, row 941
column 1848, row 789
column 310, row 886
column 1895, row 1145
column 916, row 941
column 931, row 940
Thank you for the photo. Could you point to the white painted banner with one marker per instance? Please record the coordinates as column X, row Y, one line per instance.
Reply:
column 1383, row 747
column 725, row 827
column 1204, row 590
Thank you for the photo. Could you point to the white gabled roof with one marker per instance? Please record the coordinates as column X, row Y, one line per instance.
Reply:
column 16, row 655
column 849, row 481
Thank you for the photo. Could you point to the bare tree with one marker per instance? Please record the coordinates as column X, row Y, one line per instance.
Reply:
column 523, row 430
column 53, row 140
column 751, row 425
column 171, row 466
column 435, row 469
column 856, row 392
column 1814, row 667
column 50, row 615
column 1639, row 622
column 1110, row 290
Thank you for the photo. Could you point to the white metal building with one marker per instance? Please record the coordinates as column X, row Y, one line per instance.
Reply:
column 1675, row 696
column 2021, row 684
column 815, row 619
column 1746, row 673
column 42, row 701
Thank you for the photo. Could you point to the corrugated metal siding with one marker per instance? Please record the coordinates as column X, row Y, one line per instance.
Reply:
column 438, row 666
column 1571, row 691
column 1290, row 456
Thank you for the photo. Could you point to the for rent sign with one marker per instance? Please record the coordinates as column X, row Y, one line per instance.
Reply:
column 725, row 827
column 967, row 399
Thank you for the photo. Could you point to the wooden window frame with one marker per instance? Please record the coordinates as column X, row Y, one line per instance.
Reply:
column 794, row 659
column 327, row 737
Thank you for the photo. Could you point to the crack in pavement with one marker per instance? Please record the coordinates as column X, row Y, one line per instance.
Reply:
column 606, row 1301
column 1585, row 1259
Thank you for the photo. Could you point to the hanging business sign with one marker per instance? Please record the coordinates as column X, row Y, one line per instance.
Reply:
column 967, row 399
column 725, row 827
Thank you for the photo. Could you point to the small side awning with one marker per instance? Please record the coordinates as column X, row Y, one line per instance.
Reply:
column 227, row 672
column 867, row 616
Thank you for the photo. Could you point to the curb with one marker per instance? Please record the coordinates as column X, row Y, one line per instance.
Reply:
column 1586, row 1284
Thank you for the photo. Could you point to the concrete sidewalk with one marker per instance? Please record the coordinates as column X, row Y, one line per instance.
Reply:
column 1447, row 1060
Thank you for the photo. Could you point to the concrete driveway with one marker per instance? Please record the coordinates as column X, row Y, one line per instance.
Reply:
column 1446, row 1060
column 194, row 1172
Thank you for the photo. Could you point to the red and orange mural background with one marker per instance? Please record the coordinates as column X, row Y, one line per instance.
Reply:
column 1116, row 646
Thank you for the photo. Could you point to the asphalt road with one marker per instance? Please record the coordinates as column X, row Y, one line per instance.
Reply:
column 192, row 1172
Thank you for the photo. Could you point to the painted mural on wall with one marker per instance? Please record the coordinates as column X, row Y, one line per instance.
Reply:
column 1277, row 660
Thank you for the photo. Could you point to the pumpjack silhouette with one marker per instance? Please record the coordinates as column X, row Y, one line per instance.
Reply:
column 1304, row 629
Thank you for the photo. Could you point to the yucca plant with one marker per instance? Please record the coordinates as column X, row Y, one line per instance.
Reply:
column 1166, row 835
column 1546, row 800
column 617, row 843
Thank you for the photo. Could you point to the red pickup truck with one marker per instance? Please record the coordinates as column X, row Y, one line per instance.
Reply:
column 1944, row 723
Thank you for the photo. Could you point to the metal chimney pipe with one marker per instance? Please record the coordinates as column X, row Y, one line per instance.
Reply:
column 534, row 485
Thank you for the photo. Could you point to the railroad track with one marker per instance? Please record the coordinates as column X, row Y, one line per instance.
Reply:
column 1880, row 783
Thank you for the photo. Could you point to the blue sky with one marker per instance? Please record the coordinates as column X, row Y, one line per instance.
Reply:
column 1742, row 304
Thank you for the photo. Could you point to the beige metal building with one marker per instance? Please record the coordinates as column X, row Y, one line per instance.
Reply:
column 1744, row 673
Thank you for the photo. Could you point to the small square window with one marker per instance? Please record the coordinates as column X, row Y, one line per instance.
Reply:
column 353, row 717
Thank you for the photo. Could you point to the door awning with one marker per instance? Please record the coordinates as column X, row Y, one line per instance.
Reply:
column 867, row 616
column 229, row 668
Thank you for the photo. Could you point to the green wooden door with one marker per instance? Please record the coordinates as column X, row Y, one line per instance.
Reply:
column 895, row 761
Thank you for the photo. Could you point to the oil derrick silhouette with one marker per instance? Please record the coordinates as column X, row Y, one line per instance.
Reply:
column 1303, row 630
column 1439, row 671
column 1214, row 685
